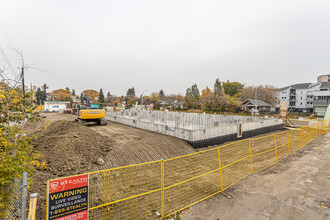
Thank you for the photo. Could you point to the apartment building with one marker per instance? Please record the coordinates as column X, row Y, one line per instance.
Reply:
column 321, row 99
column 323, row 78
column 308, row 97
column 299, row 96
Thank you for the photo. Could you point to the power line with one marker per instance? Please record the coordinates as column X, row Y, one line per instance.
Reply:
column 2, row 52
column 4, row 31
column 31, row 67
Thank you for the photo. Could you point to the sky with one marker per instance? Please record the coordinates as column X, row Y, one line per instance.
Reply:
column 169, row 44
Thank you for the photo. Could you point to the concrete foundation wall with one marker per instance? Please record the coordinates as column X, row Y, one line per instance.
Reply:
column 192, row 127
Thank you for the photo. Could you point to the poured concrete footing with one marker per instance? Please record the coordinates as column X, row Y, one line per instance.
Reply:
column 199, row 130
column 233, row 137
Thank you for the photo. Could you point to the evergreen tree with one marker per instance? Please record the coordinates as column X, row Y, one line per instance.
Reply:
column 217, row 87
column 192, row 96
column 101, row 96
column 43, row 93
column 195, row 92
column 130, row 92
column 161, row 94
column 39, row 96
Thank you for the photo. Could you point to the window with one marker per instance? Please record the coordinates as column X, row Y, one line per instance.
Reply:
column 300, row 103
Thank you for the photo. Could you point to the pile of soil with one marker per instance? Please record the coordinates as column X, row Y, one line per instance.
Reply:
column 68, row 149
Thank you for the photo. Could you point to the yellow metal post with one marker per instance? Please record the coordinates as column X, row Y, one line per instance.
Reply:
column 219, row 159
column 275, row 147
column 251, row 155
column 288, row 142
column 301, row 145
column 162, row 190
column 47, row 200
column 33, row 206
column 307, row 134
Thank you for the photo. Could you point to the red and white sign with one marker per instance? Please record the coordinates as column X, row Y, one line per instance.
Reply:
column 68, row 198
column 67, row 183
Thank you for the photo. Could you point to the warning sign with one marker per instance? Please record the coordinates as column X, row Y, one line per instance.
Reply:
column 68, row 198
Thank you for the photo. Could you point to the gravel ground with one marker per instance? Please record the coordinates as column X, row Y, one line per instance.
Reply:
column 296, row 188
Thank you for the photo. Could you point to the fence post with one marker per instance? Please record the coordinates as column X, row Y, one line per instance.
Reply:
column 307, row 134
column 251, row 155
column 275, row 147
column 24, row 194
column 300, row 137
column 162, row 190
column 219, row 159
column 33, row 206
column 288, row 142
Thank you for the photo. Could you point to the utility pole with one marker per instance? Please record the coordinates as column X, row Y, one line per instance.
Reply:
column 256, row 100
column 22, row 75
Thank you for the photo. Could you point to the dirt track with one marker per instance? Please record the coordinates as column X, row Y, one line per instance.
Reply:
column 296, row 188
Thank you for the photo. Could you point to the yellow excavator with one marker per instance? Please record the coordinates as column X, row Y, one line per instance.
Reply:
column 90, row 113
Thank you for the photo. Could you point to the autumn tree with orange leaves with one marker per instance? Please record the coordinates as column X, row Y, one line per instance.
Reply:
column 62, row 95
column 91, row 93
column 207, row 99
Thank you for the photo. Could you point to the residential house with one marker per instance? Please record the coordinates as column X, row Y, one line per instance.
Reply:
column 251, row 104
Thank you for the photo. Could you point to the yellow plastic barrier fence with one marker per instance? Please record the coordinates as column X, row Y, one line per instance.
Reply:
column 157, row 189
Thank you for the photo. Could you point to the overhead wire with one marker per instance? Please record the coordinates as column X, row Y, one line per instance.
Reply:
column 7, row 60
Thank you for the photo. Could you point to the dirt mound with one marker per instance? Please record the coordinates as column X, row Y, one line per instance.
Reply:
column 68, row 148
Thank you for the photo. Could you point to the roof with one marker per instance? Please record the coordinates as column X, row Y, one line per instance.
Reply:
column 301, row 86
column 259, row 102
column 325, row 85
column 298, row 86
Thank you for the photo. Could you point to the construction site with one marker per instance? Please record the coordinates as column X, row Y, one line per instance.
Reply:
column 144, row 164
column 197, row 129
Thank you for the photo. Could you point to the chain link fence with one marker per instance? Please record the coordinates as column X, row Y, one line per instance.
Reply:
column 13, row 198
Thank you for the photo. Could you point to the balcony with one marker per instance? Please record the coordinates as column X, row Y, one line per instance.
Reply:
column 310, row 99
column 321, row 102
column 322, row 93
